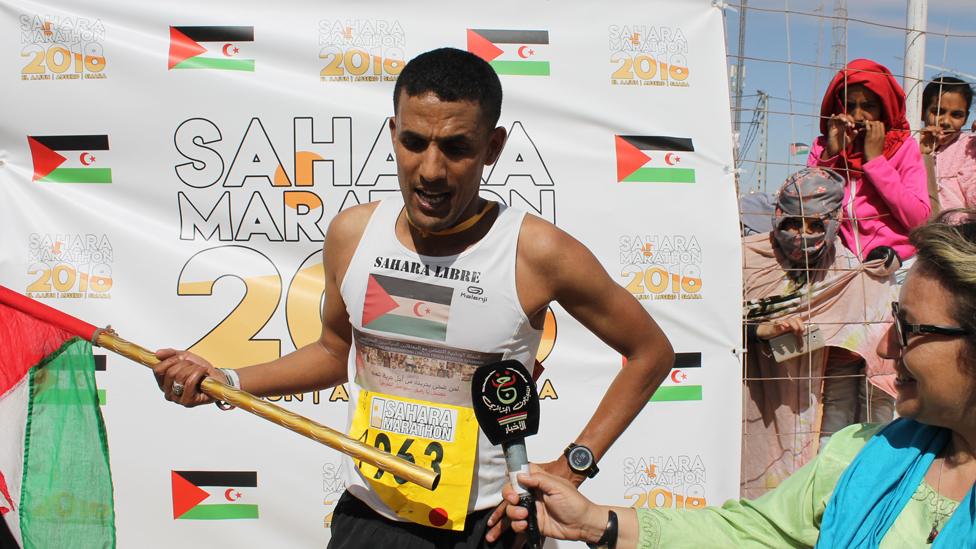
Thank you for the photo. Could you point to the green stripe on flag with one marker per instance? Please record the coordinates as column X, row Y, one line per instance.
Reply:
column 673, row 393
column 662, row 175
column 79, row 175
column 66, row 490
column 416, row 327
column 216, row 63
column 521, row 68
column 102, row 397
column 70, row 397
column 222, row 511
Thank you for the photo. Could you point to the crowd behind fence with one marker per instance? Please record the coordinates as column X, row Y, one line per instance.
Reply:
column 841, row 297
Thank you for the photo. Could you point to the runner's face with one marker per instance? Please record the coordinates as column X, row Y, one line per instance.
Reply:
column 442, row 148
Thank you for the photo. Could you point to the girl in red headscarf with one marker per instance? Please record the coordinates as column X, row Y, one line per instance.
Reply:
column 865, row 137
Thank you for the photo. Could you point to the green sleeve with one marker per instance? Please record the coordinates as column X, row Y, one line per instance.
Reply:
column 788, row 516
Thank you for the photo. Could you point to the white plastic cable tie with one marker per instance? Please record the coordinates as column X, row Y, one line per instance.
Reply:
column 723, row 6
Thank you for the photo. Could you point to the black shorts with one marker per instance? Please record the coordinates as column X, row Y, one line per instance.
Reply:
column 356, row 526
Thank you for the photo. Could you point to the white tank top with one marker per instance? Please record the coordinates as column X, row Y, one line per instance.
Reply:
column 420, row 318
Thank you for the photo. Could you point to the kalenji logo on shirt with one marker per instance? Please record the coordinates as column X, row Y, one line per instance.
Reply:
column 474, row 293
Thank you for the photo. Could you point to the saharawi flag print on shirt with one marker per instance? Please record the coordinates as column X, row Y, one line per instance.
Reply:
column 406, row 307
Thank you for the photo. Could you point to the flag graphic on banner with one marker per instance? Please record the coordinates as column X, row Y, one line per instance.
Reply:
column 653, row 159
column 100, row 367
column 676, row 386
column 222, row 50
column 407, row 307
column 513, row 52
column 221, row 502
column 55, row 482
column 81, row 161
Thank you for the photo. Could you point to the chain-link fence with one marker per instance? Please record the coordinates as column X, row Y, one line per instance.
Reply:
column 783, row 58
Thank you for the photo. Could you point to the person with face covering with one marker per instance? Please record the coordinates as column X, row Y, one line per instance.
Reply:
column 910, row 483
column 865, row 137
column 797, row 276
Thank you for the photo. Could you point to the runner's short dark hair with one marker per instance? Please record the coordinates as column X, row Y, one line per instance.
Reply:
column 452, row 75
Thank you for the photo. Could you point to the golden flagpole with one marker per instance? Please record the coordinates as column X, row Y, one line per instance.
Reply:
column 287, row 419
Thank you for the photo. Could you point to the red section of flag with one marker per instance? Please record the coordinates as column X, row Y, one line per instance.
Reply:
column 481, row 47
column 5, row 492
column 45, row 160
column 629, row 158
column 377, row 302
column 181, row 47
column 186, row 495
column 24, row 342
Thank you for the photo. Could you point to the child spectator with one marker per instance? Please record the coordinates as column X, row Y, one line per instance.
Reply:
column 946, row 101
column 865, row 137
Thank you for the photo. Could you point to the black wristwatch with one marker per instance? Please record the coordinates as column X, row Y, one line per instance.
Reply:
column 581, row 460
column 609, row 537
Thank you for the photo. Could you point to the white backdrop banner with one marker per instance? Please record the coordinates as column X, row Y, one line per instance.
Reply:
column 171, row 169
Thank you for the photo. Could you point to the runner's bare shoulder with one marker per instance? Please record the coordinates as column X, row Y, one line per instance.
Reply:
column 344, row 234
column 540, row 242
column 348, row 225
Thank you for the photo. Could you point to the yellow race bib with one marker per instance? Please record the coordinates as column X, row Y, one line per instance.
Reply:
column 438, row 436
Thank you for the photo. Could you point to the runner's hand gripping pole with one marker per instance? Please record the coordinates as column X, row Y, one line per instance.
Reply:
column 245, row 401
column 507, row 407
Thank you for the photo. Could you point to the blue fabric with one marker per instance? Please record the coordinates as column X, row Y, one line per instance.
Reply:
column 877, row 485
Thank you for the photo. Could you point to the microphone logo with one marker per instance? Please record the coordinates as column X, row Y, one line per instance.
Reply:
column 504, row 387
column 504, row 401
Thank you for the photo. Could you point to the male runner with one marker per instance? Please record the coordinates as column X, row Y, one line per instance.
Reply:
column 423, row 288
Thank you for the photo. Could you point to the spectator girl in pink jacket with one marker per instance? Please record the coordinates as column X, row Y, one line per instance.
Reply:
column 865, row 137
column 945, row 110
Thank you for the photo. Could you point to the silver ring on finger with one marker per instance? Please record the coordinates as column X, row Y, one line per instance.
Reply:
column 178, row 389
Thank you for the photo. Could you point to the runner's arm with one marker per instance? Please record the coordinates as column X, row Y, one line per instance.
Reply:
column 563, row 269
column 318, row 365
column 321, row 364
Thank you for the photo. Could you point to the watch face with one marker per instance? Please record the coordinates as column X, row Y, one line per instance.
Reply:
column 580, row 459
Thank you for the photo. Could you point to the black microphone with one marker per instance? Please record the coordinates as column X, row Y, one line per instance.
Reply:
column 507, row 407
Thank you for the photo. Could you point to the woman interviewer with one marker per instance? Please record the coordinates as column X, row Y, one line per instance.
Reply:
column 904, row 484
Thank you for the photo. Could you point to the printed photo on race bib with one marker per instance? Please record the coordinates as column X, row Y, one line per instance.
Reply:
column 417, row 370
